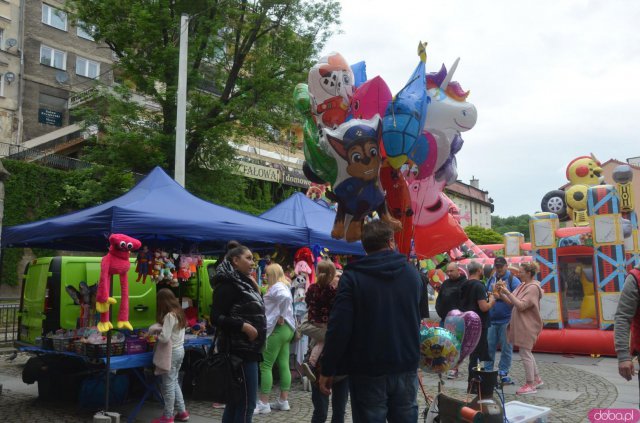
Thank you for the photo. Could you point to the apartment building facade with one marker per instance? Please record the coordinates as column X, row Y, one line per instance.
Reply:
column 60, row 59
column 474, row 203
column 10, row 48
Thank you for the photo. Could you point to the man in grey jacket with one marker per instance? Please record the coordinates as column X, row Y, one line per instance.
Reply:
column 625, row 318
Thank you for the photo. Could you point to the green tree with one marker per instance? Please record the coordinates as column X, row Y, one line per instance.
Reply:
column 56, row 192
column 511, row 224
column 482, row 236
column 245, row 57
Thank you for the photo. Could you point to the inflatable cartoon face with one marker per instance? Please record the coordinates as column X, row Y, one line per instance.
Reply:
column 335, row 82
column 585, row 170
column 359, row 148
column 331, row 89
column 449, row 108
column 427, row 200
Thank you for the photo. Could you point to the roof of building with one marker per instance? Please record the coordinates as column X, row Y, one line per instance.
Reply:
column 468, row 191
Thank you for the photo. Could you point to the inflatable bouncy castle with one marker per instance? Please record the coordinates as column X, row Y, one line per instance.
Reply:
column 583, row 266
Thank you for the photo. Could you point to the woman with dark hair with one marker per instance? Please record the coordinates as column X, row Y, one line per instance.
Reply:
column 239, row 316
column 231, row 244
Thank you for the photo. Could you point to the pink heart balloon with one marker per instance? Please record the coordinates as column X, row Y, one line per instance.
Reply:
column 472, row 333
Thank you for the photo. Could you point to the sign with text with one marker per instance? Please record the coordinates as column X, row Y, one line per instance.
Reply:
column 49, row 117
column 271, row 174
column 295, row 179
column 256, row 171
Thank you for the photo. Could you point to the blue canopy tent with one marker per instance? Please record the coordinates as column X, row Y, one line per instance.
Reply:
column 300, row 211
column 157, row 211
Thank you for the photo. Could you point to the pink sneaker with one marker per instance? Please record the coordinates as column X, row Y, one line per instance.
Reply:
column 538, row 382
column 526, row 389
column 163, row 419
column 182, row 417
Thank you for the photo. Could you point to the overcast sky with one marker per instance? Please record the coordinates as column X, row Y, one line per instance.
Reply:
column 551, row 79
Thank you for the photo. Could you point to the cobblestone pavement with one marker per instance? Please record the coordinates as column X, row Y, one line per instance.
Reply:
column 568, row 391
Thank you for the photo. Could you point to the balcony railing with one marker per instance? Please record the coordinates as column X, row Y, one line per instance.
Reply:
column 44, row 156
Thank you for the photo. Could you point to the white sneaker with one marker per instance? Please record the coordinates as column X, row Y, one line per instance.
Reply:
column 280, row 405
column 262, row 408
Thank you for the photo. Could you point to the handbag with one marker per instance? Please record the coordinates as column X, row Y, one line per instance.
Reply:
column 218, row 377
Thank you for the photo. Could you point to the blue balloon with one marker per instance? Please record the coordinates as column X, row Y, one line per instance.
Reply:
column 359, row 73
column 420, row 150
column 403, row 121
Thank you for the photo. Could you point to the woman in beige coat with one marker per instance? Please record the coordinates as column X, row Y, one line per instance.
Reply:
column 526, row 323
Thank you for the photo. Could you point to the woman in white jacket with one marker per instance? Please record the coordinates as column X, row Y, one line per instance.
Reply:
column 278, row 304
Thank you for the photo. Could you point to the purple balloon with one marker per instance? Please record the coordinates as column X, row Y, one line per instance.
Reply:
column 472, row 333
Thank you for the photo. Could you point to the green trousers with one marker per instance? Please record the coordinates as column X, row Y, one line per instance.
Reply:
column 276, row 351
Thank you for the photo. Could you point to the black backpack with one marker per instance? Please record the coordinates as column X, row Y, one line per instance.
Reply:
column 449, row 298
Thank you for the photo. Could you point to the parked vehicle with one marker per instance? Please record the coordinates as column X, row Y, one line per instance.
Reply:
column 46, row 304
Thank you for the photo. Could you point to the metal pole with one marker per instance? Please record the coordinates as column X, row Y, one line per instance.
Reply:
column 181, row 118
column 107, row 381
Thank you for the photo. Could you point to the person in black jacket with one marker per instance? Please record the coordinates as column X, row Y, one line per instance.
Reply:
column 374, row 332
column 239, row 316
column 450, row 294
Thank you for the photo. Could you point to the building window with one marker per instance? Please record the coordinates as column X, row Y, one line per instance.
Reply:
column 85, row 31
column 54, row 17
column 1, row 39
column 1, row 85
column 86, row 67
column 51, row 57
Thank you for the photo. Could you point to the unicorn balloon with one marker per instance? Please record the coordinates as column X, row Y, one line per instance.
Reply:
column 449, row 114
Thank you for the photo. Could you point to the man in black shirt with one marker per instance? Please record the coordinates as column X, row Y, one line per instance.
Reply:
column 475, row 298
column 450, row 295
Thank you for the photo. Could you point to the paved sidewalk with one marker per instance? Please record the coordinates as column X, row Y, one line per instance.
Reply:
column 573, row 386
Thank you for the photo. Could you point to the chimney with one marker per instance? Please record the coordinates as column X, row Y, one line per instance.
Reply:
column 474, row 182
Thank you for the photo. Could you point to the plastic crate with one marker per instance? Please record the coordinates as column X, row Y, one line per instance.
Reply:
column 520, row 412
column 100, row 350
column 47, row 343
column 78, row 347
column 135, row 345
column 63, row 344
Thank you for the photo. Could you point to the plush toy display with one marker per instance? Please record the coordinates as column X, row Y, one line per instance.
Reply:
column 304, row 263
column 116, row 262
column 142, row 264
column 183, row 270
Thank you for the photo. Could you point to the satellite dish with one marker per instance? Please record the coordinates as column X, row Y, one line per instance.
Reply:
column 62, row 77
column 11, row 42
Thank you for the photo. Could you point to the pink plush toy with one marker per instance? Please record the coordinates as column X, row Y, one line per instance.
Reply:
column 116, row 262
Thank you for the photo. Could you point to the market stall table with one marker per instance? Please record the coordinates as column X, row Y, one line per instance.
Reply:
column 136, row 362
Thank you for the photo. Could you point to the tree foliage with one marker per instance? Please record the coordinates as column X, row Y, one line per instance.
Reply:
column 511, row 224
column 244, row 59
column 34, row 192
column 482, row 236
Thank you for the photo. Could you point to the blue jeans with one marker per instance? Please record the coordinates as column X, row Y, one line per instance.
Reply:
column 388, row 398
column 498, row 335
column 339, row 397
column 171, row 392
column 243, row 411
